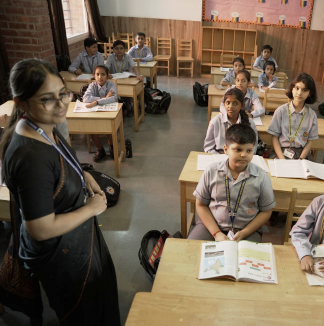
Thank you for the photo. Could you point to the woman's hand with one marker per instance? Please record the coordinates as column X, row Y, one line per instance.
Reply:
column 92, row 185
column 307, row 264
column 220, row 236
column 98, row 203
column 92, row 104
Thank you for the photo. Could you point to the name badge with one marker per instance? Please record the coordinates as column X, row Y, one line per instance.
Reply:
column 230, row 234
column 289, row 153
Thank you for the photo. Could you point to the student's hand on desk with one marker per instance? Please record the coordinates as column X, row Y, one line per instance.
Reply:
column 110, row 76
column 110, row 93
column 140, row 77
column 78, row 72
column 92, row 104
column 136, row 59
column 240, row 235
column 307, row 264
column 249, row 114
column 220, row 236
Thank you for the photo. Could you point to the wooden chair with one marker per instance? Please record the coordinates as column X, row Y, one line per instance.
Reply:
column 270, row 102
column 163, row 52
column 283, row 76
column 127, row 38
column 148, row 42
column 108, row 49
column 184, row 54
column 113, row 38
column 226, row 60
column 298, row 203
column 252, row 62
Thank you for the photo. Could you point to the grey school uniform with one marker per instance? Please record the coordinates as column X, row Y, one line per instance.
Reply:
column 88, row 64
column 305, row 234
column 144, row 54
column 95, row 92
column 259, row 61
column 257, row 196
column 251, row 101
column 215, row 136
column 114, row 65
column 264, row 81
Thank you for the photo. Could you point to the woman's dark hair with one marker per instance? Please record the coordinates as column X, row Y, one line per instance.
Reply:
column 246, row 74
column 89, row 41
column 269, row 63
column 309, row 84
column 239, row 59
column 119, row 42
column 240, row 97
column 26, row 78
column 241, row 134
column 102, row 67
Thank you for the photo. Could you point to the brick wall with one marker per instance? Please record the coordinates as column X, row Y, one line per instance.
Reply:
column 75, row 49
column 26, row 30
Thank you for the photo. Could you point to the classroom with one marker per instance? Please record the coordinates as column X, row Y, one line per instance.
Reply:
column 154, row 157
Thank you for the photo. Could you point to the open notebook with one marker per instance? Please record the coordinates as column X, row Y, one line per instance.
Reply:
column 205, row 160
column 124, row 74
column 80, row 107
column 239, row 261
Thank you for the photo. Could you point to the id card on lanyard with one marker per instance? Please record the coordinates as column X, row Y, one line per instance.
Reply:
column 232, row 213
column 122, row 65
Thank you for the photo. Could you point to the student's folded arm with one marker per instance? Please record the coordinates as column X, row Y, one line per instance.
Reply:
column 260, row 219
column 277, row 147
column 209, row 143
column 75, row 65
column 87, row 97
column 306, row 149
column 258, row 109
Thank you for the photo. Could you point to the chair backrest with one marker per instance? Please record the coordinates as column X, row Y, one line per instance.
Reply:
column 113, row 38
column 108, row 49
column 226, row 60
column 184, row 48
column 299, row 201
column 148, row 42
column 127, row 38
column 271, row 102
column 164, row 45
column 282, row 75
column 252, row 62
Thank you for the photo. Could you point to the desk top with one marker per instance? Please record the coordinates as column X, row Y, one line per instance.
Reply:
column 128, row 81
column 93, row 115
column 178, row 270
column 6, row 108
column 170, row 309
column 68, row 76
column 191, row 175
column 148, row 64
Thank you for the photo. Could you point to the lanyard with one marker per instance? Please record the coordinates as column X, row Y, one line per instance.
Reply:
column 230, row 212
column 138, row 53
column 74, row 165
column 90, row 65
column 123, row 62
column 301, row 121
column 226, row 126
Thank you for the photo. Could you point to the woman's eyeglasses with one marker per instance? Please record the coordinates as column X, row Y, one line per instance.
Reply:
column 52, row 103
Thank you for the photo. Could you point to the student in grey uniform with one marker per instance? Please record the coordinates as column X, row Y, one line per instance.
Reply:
column 235, row 113
column 265, row 56
column 101, row 92
column 234, row 198
column 295, row 142
column 87, row 60
column 119, row 62
column 268, row 79
column 252, row 103
column 308, row 232
column 140, row 52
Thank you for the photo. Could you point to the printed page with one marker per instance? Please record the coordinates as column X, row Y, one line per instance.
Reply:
column 112, row 107
column 80, row 107
column 205, row 160
column 318, row 277
column 272, row 167
column 256, row 262
column 313, row 169
column 84, row 77
column 260, row 162
column 258, row 121
column 218, row 258
column 290, row 169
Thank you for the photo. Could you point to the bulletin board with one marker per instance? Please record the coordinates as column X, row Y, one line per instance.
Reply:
column 284, row 13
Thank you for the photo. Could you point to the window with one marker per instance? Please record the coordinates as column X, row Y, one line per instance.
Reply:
column 75, row 17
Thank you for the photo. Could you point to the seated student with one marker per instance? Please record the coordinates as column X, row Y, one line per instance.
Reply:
column 268, row 79
column 230, row 76
column 235, row 113
column 87, row 60
column 120, row 61
column 265, row 56
column 294, row 124
column 140, row 52
column 223, row 180
column 252, row 103
column 100, row 92
column 308, row 232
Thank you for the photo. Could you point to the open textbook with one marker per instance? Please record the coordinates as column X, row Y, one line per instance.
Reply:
column 241, row 261
column 84, row 77
column 318, row 277
column 80, row 107
column 205, row 160
column 124, row 74
column 302, row 169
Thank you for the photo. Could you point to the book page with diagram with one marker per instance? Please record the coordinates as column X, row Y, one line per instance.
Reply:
column 256, row 262
column 218, row 259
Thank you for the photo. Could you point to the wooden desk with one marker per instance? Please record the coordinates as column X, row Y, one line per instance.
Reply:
column 317, row 145
column 100, row 123
column 149, row 69
column 215, row 97
column 71, row 82
column 132, row 87
column 4, row 204
column 171, row 309
column 217, row 75
column 282, row 188
column 178, row 270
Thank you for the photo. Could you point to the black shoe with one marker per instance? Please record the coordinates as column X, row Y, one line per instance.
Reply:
column 100, row 154
column 111, row 151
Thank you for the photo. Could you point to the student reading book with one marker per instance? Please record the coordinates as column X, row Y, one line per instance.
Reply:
column 234, row 198
column 241, row 261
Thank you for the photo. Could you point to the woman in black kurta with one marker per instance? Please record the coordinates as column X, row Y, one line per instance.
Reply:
column 74, row 268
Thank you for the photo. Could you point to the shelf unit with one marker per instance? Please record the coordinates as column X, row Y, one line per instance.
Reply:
column 217, row 41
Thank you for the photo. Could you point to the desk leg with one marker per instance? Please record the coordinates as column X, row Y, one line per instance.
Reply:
column 183, row 204
column 209, row 111
column 122, row 141
column 151, row 78
column 155, row 78
column 135, row 110
column 115, row 145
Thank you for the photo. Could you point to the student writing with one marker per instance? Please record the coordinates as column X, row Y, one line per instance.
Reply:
column 294, row 124
column 265, row 56
column 235, row 113
column 234, row 195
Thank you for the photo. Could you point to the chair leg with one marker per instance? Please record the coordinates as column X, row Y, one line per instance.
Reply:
column 168, row 68
column 178, row 68
column 191, row 69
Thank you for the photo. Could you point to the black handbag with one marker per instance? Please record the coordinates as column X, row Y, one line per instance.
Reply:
column 109, row 185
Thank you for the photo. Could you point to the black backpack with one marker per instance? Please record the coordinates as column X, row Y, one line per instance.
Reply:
column 63, row 62
column 321, row 108
column 156, row 102
column 200, row 94
column 83, row 89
